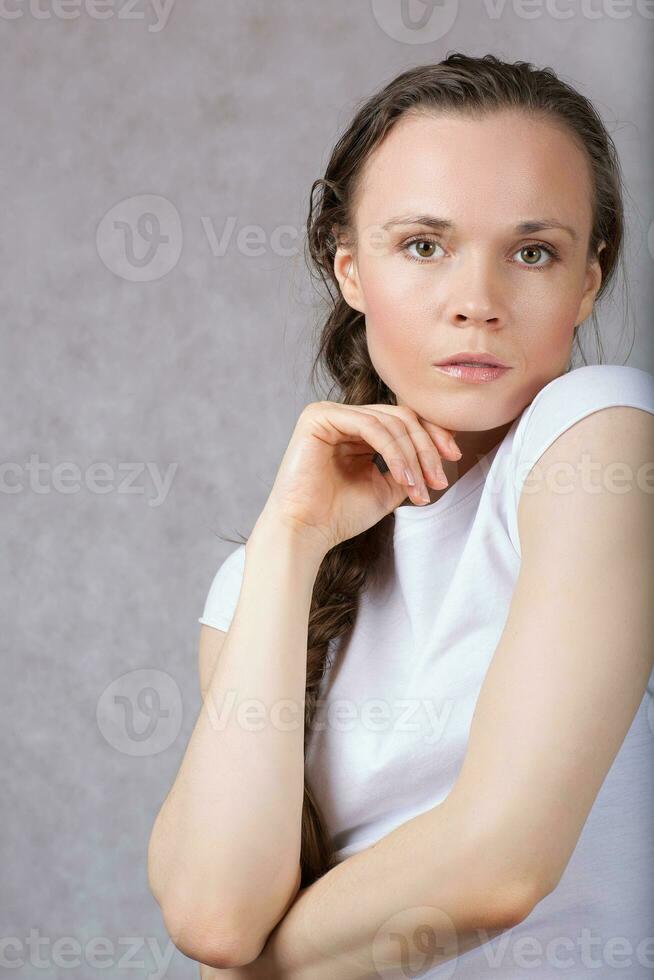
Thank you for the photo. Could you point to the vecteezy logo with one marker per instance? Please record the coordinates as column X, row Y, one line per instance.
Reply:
column 140, row 713
column 415, row 21
column 416, row 939
column 140, row 238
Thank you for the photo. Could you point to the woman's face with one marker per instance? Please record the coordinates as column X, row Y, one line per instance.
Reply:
column 480, row 284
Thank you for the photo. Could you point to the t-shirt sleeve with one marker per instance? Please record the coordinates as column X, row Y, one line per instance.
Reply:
column 560, row 404
column 222, row 599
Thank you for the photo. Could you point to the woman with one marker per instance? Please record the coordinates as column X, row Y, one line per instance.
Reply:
column 491, row 646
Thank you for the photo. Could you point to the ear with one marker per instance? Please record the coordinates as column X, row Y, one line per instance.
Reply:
column 345, row 270
column 592, row 284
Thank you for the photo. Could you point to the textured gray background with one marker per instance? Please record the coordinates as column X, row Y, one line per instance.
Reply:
column 228, row 111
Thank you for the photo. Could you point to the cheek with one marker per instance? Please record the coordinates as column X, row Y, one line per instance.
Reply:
column 546, row 332
column 387, row 290
column 389, row 347
column 545, row 346
column 395, row 315
column 547, row 297
column 395, row 340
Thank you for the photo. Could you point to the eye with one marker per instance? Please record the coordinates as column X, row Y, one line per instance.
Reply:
column 531, row 252
column 539, row 248
column 429, row 242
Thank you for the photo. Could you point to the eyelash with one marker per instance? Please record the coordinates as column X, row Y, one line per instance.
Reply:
column 551, row 251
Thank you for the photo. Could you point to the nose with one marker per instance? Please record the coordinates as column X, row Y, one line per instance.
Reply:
column 474, row 295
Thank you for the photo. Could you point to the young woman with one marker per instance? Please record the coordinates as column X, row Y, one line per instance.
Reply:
column 445, row 732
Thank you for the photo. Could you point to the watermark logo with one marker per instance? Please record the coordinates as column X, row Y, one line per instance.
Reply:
column 586, row 951
column 140, row 238
column 415, row 21
column 423, row 938
column 100, row 477
column 568, row 9
column 426, row 21
column 251, row 240
column 155, row 12
column 421, row 718
column 140, row 713
column 99, row 953
column 416, row 940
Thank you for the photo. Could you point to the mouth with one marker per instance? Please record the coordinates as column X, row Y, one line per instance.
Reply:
column 472, row 359
column 470, row 364
column 474, row 373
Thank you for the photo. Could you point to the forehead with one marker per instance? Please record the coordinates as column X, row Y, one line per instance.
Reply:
column 484, row 174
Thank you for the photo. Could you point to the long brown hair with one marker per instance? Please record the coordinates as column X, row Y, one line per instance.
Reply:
column 467, row 85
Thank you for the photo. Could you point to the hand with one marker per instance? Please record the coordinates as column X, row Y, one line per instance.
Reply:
column 328, row 486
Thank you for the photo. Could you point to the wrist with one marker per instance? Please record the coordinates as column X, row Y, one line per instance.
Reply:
column 272, row 531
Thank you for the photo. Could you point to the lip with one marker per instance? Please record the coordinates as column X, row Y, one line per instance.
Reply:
column 480, row 357
column 479, row 374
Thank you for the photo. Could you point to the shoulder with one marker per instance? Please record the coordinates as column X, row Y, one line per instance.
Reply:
column 224, row 590
column 609, row 377
column 232, row 565
column 569, row 398
column 588, row 388
column 587, row 417
column 589, row 495
column 236, row 557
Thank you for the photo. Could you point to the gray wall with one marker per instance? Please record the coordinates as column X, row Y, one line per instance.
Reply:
column 191, row 367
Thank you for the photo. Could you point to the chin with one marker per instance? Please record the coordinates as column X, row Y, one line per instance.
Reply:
column 474, row 418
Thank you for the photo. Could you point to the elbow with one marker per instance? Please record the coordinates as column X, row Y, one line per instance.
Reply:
column 518, row 898
column 222, row 936
column 517, row 895
column 512, row 904
column 214, row 942
column 507, row 876
column 196, row 927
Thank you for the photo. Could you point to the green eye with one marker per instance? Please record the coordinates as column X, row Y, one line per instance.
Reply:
column 530, row 253
column 421, row 257
column 428, row 245
column 532, row 249
column 527, row 252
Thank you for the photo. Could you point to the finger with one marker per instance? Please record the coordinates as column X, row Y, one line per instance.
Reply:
column 443, row 437
column 426, row 460
column 385, row 433
column 417, row 485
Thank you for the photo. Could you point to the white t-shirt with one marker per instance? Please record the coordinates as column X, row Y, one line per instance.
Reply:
column 390, row 736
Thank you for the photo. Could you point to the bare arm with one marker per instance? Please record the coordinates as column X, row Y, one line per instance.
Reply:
column 225, row 846
column 435, row 887
column 424, row 894
column 563, row 687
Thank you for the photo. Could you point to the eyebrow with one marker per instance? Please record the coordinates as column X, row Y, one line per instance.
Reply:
column 442, row 224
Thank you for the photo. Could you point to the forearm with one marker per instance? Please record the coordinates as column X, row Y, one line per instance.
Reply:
column 230, row 829
column 422, row 895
